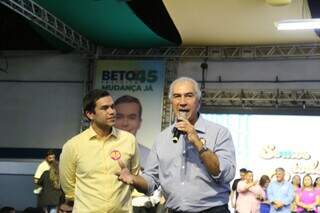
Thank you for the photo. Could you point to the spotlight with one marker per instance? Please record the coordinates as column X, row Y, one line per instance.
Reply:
column 204, row 65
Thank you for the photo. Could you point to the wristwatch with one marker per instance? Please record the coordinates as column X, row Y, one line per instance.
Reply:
column 204, row 147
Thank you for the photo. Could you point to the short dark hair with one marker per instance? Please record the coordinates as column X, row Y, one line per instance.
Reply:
column 129, row 99
column 7, row 209
column 248, row 171
column 63, row 200
column 243, row 170
column 263, row 180
column 90, row 99
column 50, row 152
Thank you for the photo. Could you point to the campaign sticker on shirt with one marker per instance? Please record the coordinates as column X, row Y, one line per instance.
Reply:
column 115, row 155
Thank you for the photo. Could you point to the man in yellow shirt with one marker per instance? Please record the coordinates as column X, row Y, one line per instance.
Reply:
column 89, row 161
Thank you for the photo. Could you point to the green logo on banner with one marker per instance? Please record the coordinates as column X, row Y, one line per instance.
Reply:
column 129, row 80
column 142, row 76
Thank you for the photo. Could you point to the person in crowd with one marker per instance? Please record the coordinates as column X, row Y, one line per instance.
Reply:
column 296, row 183
column 129, row 118
column 89, row 160
column 280, row 193
column 250, row 194
column 50, row 193
column 7, row 209
column 316, row 185
column 64, row 206
column 307, row 199
column 265, row 204
column 42, row 167
column 195, row 172
column 234, row 194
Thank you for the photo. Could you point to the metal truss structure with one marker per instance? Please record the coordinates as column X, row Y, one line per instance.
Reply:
column 295, row 101
column 239, row 101
column 44, row 19
column 262, row 98
column 171, row 74
column 261, row 52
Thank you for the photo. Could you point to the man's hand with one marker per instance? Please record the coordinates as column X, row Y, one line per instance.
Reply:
column 277, row 204
column 185, row 126
column 124, row 175
column 209, row 159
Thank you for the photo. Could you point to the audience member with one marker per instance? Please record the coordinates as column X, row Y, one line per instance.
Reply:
column 50, row 193
column 296, row 183
column 234, row 194
column 265, row 204
column 316, row 184
column 43, row 166
column 307, row 199
column 64, row 206
column 280, row 193
column 250, row 194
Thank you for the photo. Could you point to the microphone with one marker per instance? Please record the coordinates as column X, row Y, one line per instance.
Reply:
column 176, row 132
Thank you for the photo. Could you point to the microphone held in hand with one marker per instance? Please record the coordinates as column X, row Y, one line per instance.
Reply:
column 176, row 132
column 176, row 135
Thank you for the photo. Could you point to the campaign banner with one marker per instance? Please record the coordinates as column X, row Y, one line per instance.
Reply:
column 141, row 79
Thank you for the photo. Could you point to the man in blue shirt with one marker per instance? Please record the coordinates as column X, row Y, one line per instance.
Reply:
column 280, row 193
column 195, row 172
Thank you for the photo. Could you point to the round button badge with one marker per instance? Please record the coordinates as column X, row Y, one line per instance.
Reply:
column 115, row 155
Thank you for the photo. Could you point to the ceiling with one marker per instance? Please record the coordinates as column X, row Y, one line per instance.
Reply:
column 237, row 22
column 161, row 23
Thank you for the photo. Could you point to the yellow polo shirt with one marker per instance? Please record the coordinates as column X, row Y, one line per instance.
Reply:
column 87, row 171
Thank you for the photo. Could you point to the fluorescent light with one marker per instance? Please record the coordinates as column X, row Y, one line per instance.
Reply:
column 298, row 24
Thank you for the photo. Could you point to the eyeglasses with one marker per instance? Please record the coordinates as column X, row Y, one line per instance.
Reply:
column 64, row 211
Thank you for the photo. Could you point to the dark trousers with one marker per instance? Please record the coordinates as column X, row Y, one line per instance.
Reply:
column 216, row 209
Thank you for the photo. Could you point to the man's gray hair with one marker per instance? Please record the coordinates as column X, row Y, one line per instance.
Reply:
column 280, row 169
column 185, row 79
